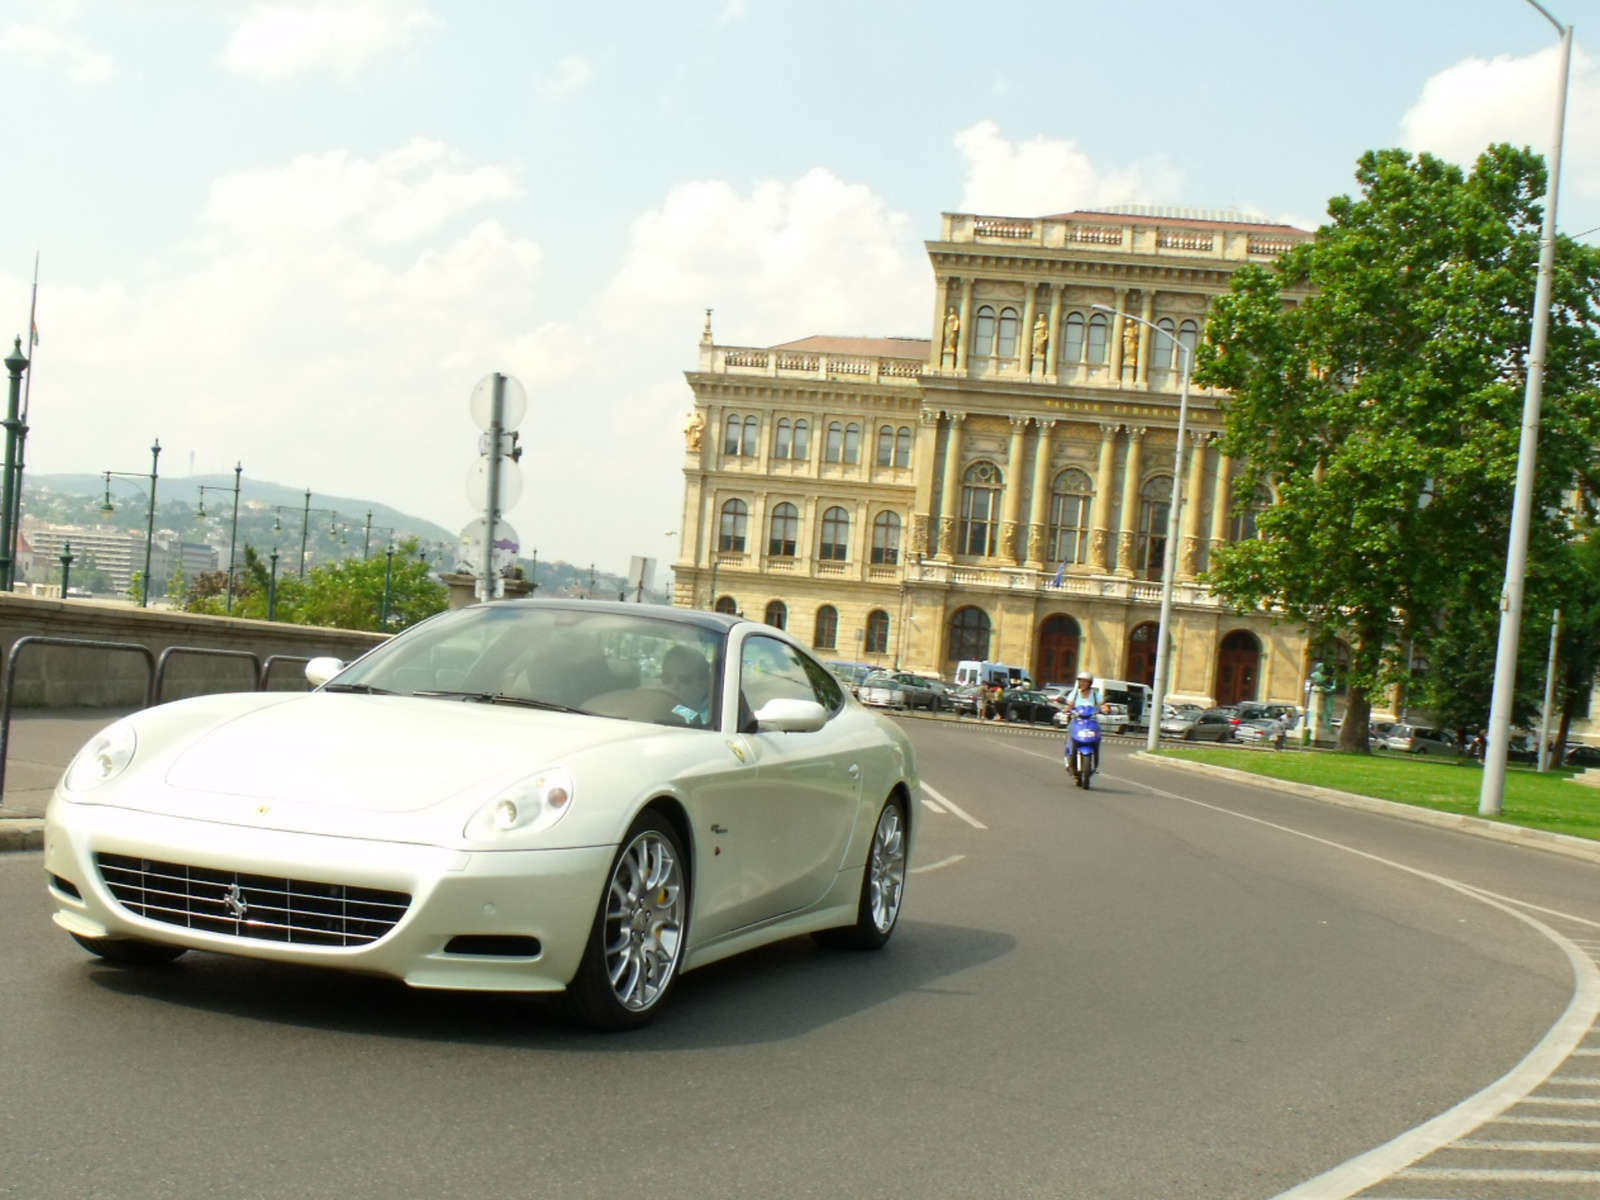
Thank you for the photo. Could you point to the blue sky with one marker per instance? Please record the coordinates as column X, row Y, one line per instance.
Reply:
column 296, row 232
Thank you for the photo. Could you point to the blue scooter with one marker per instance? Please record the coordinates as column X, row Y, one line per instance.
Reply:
column 1083, row 744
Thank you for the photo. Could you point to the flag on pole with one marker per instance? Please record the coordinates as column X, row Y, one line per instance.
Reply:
column 1061, row 574
column 34, row 333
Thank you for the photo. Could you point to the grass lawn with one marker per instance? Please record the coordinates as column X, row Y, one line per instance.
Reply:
column 1532, row 800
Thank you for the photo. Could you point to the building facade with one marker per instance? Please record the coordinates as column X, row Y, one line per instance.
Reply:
column 1000, row 490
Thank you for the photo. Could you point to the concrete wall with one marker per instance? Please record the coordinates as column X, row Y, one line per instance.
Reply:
column 65, row 677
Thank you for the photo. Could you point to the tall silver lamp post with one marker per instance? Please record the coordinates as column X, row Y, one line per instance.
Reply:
column 1491, row 799
column 1169, row 559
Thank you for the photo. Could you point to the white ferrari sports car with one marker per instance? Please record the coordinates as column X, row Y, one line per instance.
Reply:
column 569, row 797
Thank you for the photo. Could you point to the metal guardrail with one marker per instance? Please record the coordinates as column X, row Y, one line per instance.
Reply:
column 77, row 643
column 205, row 651
column 272, row 660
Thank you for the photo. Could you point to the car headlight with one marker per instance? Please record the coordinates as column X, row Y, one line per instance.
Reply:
column 526, row 806
column 105, row 757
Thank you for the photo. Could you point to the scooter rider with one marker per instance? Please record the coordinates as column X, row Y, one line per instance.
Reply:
column 1084, row 692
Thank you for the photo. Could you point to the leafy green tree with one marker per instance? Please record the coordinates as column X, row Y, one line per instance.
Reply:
column 90, row 575
column 1376, row 384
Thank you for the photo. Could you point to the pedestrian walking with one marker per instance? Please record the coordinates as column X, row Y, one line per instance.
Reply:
column 1280, row 730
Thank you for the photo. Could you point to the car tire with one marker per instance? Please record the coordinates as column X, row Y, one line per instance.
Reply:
column 127, row 952
column 646, row 895
column 883, row 885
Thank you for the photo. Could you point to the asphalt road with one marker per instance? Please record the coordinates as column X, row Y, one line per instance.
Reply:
column 1128, row 992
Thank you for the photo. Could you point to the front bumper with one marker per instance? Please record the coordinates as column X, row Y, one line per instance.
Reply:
column 547, row 894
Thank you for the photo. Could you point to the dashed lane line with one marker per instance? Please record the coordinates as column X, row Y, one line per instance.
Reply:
column 952, row 806
column 943, row 862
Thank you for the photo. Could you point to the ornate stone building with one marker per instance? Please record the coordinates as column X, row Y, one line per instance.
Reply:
column 1000, row 491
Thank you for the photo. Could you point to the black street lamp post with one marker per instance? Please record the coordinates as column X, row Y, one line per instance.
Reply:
column 305, row 524
column 366, row 542
column 272, row 587
column 107, row 508
column 66, row 567
column 16, row 363
column 388, row 587
column 233, row 532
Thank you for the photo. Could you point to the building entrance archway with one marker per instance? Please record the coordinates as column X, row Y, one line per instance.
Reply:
column 1056, row 659
column 1238, row 667
column 1142, row 654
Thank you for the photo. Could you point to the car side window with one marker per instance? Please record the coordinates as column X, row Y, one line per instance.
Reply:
column 828, row 692
column 772, row 670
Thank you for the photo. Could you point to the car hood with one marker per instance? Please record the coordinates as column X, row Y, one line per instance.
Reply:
column 380, row 754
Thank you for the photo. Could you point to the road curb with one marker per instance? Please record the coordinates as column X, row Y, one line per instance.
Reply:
column 1516, row 835
column 21, row 833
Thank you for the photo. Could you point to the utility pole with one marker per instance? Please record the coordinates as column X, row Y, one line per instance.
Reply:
column 16, row 363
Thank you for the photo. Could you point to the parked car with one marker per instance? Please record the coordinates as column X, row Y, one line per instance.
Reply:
column 575, row 753
column 966, row 700
column 851, row 674
column 883, row 691
column 1256, row 730
column 1420, row 739
column 1255, row 710
column 1582, row 756
column 1113, row 718
column 920, row 692
column 1033, row 707
column 1213, row 725
column 1179, row 723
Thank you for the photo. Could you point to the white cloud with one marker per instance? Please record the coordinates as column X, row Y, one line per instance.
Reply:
column 1047, row 175
column 572, row 73
column 277, row 40
column 396, row 197
column 45, row 45
column 1477, row 101
column 733, row 10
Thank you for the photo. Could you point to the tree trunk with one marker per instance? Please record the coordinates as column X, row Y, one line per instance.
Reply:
column 1564, row 729
column 1357, row 717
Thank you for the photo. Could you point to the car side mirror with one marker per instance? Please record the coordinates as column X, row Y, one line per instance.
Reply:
column 791, row 716
column 320, row 670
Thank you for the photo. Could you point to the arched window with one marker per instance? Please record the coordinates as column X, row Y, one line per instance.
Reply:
column 852, row 443
column 785, row 531
column 735, row 524
column 1068, row 537
column 886, row 539
column 1097, row 338
column 886, row 446
column 1072, row 343
column 1242, row 526
column 1189, row 335
column 1238, row 667
column 1007, row 347
column 727, row 605
column 969, row 635
column 752, row 436
column 902, row 447
column 777, row 614
column 784, row 439
column 835, row 535
column 1166, row 348
column 833, row 451
column 983, row 342
column 827, row 633
column 802, row 439
column 980, row 510
column 1142, row 644
column 730, row 442
column 1155, row 504
column 877, row 632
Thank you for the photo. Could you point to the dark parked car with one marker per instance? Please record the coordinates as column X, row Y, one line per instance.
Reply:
column 1582, row 756
column 1021, row 704
column 920, row 692
column 1213, row 725
column 966, row 700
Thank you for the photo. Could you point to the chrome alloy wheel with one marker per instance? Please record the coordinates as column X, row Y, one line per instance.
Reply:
column 886, row 869
column 645, row 911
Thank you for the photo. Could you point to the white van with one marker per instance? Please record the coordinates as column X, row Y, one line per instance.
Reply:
column 989, row 674
column 1135, row 697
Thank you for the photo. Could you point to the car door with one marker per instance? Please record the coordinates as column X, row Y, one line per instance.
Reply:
column 806, row 792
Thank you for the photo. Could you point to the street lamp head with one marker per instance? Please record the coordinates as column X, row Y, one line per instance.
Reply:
column 1105, row 308
column 200, row 509
column 16, row 360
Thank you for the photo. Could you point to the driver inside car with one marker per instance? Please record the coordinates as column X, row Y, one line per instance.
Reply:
column 687, row 675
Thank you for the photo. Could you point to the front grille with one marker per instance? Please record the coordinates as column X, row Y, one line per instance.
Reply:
column 262, row 907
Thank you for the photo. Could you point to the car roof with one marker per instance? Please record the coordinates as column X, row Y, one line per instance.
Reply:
column 720, row 622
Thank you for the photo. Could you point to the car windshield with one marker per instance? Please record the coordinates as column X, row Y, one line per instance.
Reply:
column 603, row 663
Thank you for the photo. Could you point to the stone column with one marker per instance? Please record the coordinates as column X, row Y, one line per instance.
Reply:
column 1132, row 470
column 1011, row 500
column 1189, row 548
column 1050, row 356
column 950, row 500
column 1029, row 308
column 1039, row 509
column 941, row 306
column 1100, row 519
column 1222, row 502
column 925, row 516
column 1147, row 310
column 1118, row 323
column 965, row 339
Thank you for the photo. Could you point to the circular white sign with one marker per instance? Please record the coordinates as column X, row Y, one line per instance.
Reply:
column 478, row 484
column 481, row 405
column 469, row 548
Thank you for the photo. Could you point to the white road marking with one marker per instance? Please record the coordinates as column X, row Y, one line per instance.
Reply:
column 932, row 805
column 943, row 862
column 1563, row 1101
column 1499, row 1175
column 1529, row 1147
column 954, row 807
column 1564, row 1122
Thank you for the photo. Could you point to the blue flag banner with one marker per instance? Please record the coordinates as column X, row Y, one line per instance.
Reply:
column 1061, row 574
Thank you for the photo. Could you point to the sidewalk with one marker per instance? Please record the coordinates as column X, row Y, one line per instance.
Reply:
column 43, row 741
